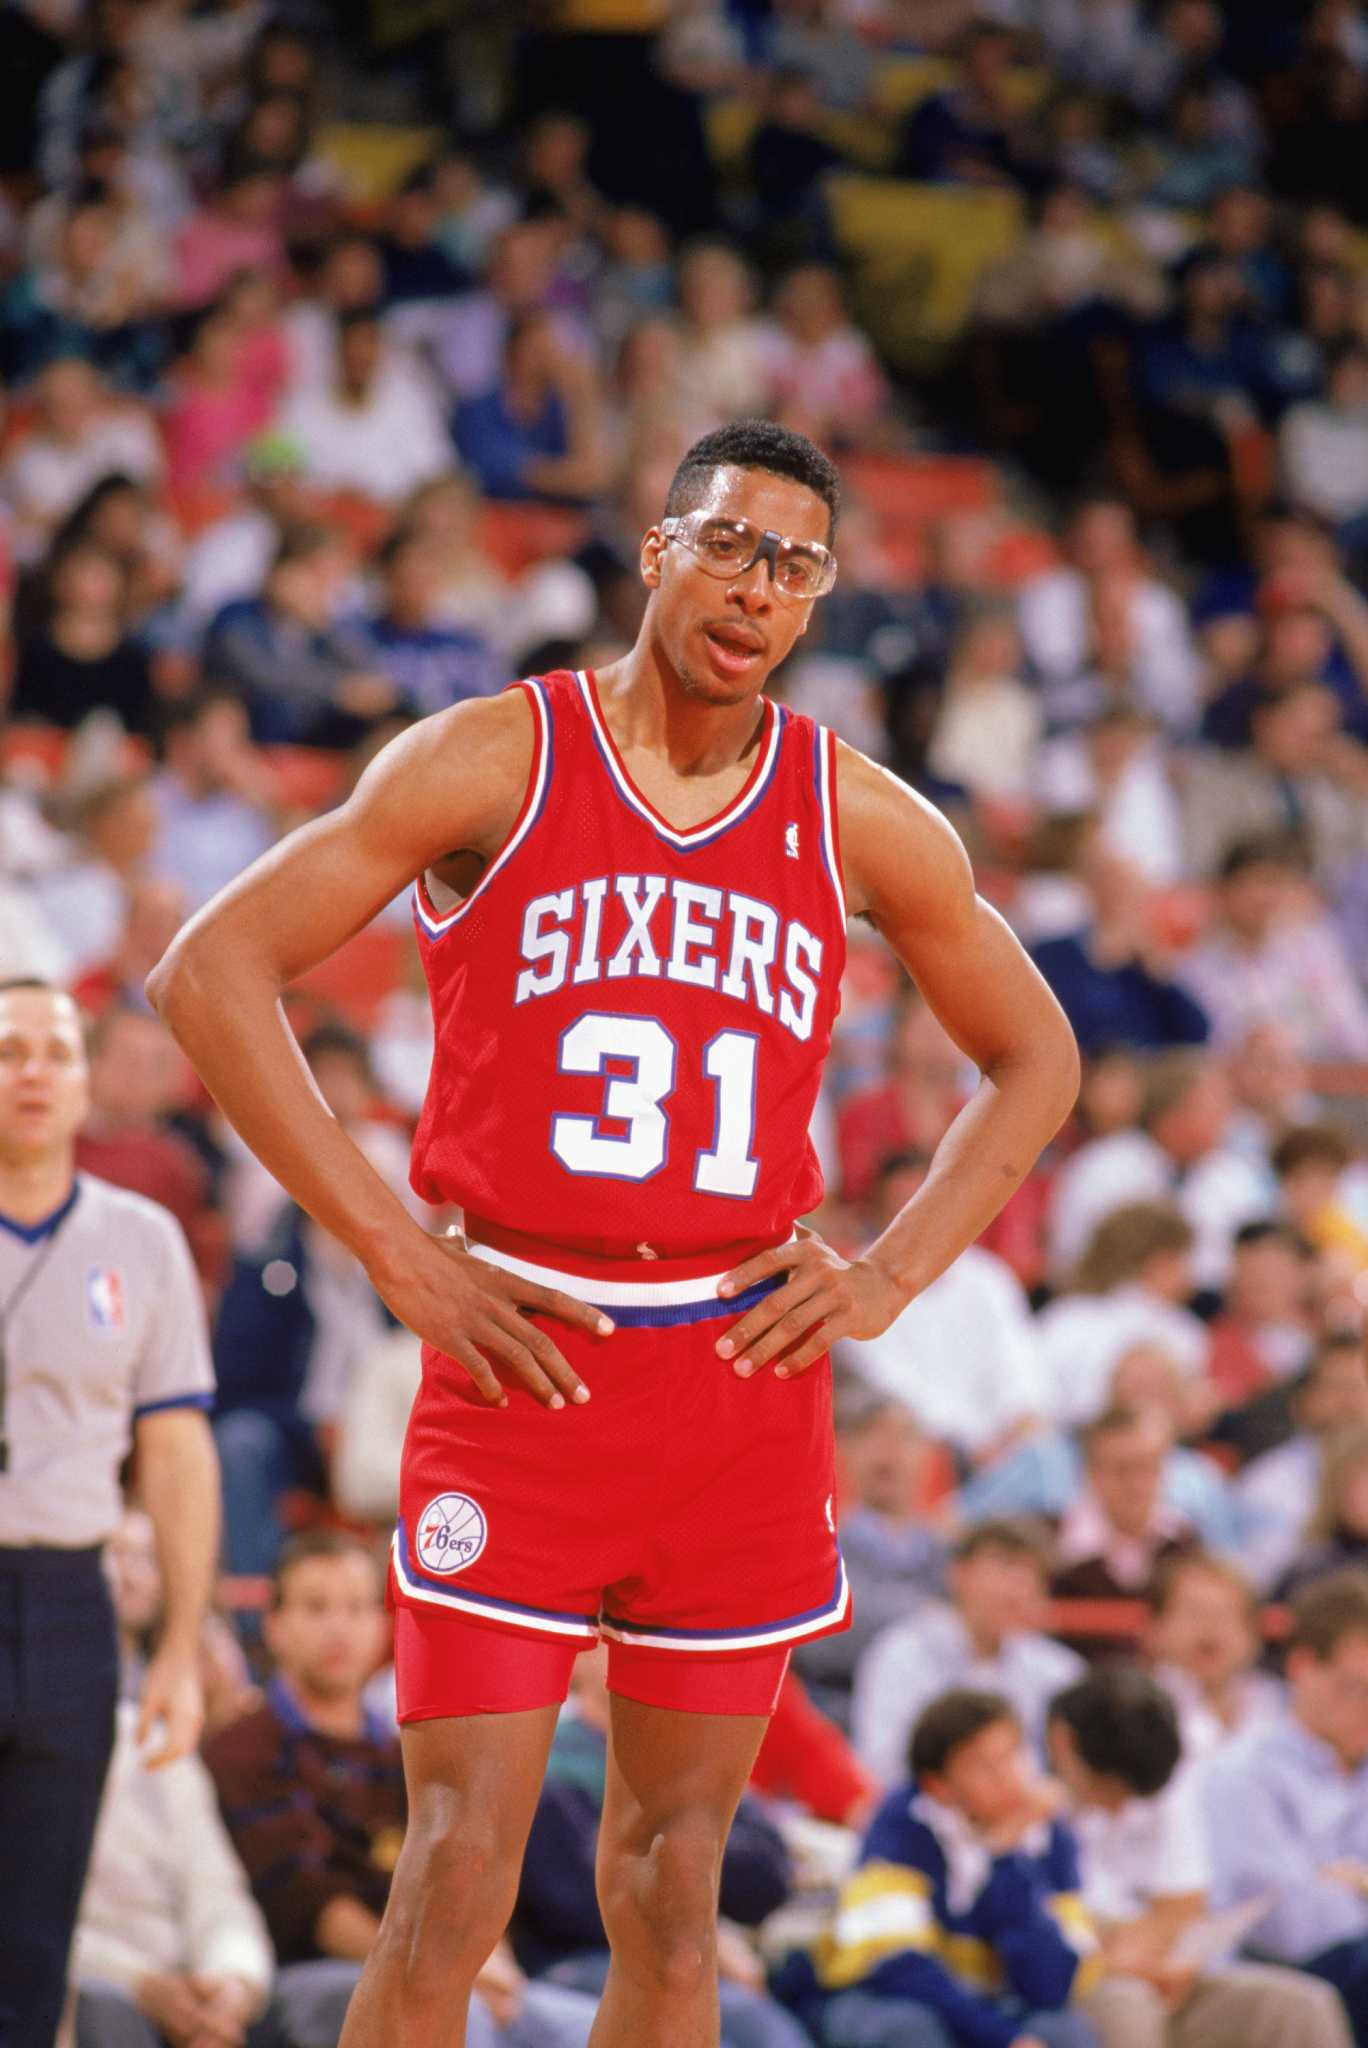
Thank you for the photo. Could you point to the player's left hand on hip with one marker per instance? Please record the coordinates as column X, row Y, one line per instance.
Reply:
column 172, row 1695
column 823, row 1299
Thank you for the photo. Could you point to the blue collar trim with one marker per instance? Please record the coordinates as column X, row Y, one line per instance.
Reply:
column 33, row 1233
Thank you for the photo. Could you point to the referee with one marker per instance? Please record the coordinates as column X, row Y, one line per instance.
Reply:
column 102, row 1347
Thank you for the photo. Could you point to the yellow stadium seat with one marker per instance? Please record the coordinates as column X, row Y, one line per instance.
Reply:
column 374, row 158
column 917, row 253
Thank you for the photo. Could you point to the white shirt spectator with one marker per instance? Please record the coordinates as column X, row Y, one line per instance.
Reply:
column 1298, row 982
column 44, row 479
column 371, row 1426
column 229, row 560
column 1055, row 627
column 165, row 1894
column 1151, row 1849
column 1324, row 450
column 1083, row 1338
column 1279, row 1492
column 963, row 1355
column 1259, row 1699
column 1139, row 816
column 909, row 1664
column 383, row 448
column 1218, row 1194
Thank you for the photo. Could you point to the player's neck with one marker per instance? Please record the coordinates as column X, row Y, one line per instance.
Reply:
column 647, row 705
column 31, row 1189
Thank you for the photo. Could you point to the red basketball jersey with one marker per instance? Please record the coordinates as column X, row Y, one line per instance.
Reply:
column 631, row 1020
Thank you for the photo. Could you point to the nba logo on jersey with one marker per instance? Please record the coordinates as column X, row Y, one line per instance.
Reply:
column 451, row 1533
column 104, row 1299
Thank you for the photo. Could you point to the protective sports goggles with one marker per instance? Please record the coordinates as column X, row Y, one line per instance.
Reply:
column 726, row 548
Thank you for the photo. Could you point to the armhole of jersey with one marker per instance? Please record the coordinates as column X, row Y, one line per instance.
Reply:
column 435, row 923
column 825, row 748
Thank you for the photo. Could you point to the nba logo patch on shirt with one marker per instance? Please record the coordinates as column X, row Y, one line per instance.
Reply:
column 451, row 1533
column 105, row 1299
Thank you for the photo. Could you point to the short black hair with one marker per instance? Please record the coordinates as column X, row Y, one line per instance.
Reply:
column 1124, row 1726
column 755, row 444
column 335, row 1037
column 14, row 981
column 1268, row 849
column 949, row 1722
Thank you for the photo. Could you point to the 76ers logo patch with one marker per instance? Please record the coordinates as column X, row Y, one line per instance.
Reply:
column 451, row 1533
column 105, row 1299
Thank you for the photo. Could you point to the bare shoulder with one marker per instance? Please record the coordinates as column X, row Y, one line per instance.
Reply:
column 454, row 780
column 899, row 853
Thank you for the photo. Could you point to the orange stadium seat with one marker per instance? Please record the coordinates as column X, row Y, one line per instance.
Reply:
column 360, row 975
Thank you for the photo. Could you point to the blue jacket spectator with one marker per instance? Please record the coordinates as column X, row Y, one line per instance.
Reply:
column 431, row 664
column 965, row 1903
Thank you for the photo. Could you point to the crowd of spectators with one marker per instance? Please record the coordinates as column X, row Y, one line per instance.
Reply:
column 298, row 447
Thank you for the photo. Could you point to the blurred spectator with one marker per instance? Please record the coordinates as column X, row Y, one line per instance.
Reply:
column 1310, row 1162
column 370, row 1429
column 229, row 559
column 963, row 1354
column 1262, row 1336
column 216, row 406
column 1298, row 1791
column 1279, row 1489
column 1193, row 158
column 416, row 262
column 1114, row 978
column 537, row 433
column 788, row 157
column 78, row 435
column 1119, row 1529
column 557, row 1924
column 90, row 297
column 894, row 1557
column 169, row 1944
column 725, row 370
column 636, row 285
column 824, row 376
column 312, row 1791
column 805, row 1761
column 301, row 676
column 1056, row 608
column 78, row 656
column 236, row 230
column 1147, row 1871
column 1270, row 960
column 1337, row 1534
column 215, row 812
column 119, row 513
column 521, row 278
column 975, row 132
column 86, row 900
column 135, row 1582
column 1323, row 443
column 376, row 429
column 431, row 664
column 1115, row 771
column 1182, row 1150
column 1290, row 779
column 961, row 1920
column 472, row 209
column 1043, row 1476
column 1204, row 1641
column 349, row 278
column 912, row 1109
column 1127, row 1291
column 546, row 600
column 989, row 722
column 989, row 1637
column 138, row 1076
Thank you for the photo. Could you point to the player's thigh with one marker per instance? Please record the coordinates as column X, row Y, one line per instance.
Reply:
column 472, row 1786
column 674, row 1783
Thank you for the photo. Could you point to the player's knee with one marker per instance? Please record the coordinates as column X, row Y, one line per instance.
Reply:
column 453, row 1894
column 659, row 1899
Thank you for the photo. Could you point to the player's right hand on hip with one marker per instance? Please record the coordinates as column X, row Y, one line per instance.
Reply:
column 478, row 1314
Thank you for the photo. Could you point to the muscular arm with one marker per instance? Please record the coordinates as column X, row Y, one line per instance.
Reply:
column 454, row 783
column 906, row 869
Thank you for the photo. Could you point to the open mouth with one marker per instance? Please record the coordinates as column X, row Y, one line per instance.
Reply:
column 733, row 651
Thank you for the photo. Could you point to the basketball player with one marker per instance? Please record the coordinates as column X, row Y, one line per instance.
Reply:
column 631, row 898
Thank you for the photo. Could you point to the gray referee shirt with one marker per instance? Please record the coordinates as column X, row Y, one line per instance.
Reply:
column 111, row 1328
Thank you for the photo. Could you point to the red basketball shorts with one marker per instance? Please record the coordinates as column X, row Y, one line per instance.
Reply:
column 683, row 1513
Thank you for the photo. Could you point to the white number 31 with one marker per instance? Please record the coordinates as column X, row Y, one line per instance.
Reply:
column 637, row 1099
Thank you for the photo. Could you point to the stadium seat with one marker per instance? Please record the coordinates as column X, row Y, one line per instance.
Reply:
column 917, row 253
column 360, row 975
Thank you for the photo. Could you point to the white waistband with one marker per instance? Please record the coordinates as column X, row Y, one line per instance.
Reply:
column 609, row 1293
